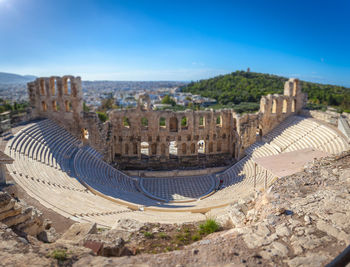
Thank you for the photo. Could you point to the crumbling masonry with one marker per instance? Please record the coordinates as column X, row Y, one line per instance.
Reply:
column 142, row 138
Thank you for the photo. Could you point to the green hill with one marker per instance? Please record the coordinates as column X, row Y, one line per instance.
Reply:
column 242, row 91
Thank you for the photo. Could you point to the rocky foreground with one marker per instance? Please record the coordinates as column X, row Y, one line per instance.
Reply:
column 302, row 220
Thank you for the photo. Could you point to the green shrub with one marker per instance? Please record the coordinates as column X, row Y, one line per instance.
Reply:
column 102, row 116
column 210, row 226
column 196, row 237
column 163, row 235
column 59, row 254
column 148, row 235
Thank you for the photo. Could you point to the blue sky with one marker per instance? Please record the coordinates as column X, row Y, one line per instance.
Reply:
column 176, row 40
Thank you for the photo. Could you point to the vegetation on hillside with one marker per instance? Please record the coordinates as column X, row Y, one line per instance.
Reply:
column 15, row 107
column 247, row 87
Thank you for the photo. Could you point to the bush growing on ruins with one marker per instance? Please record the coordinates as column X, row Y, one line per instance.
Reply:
column 59, row 254
column 102, row 116
column 148, row 235
column 210, row 226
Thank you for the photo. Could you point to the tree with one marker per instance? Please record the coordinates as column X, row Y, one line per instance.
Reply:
column 168, row 100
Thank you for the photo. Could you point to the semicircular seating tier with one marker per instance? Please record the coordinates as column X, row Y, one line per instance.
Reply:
column 55, row 168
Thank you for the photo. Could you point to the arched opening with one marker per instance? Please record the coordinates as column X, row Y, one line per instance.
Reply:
column 262, row 105
column 163, row 149
column 85, row 134
column 53, row 86
column 173, row 124
column 184, row 123
column 154, row 149
column 258, row 133
column 294, row 103
column 126, row 149
column 219, row 121
column 184, row 148
column 295, row 87
column 218, row 146
column 67, row 105
column 201, row 122
column 134, row 149
column 126, row 122
column 144, row 149
column 144, row 123
column 43, row 106
column 162, row 122
column 55, row 105
column 42, row 87
column 193, row 148
column 211, row 147
column 285, row 106
column 201, row 147
column 274, row 106
column 173, row 148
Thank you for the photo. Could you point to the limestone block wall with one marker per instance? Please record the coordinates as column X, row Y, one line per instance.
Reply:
column 142, row 137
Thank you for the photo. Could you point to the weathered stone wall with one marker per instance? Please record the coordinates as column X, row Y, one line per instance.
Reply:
column 143, row 138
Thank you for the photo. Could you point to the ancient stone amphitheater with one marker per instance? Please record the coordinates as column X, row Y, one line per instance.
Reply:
column 68, row 160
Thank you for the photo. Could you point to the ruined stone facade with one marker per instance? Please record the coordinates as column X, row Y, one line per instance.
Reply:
column 143, row 138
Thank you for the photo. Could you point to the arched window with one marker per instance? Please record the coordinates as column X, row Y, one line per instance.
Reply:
column 55, row 105
column 173, row 148
column 173, row 124
column 285, row 106
column 126, row 149
column 162, row 122
column 42, row 87
column 184, row 123
column 295, row 87
column 145, row 148
column 154, row 149
column 184, row 148
column 67, row 105
column 43, row 106
column 162, row 149
column 219, row 121
column 274, row 106
column 144, row 123
column 218, row 146
column 211, row 147
column 53, row 86
column 294, row 104
column 126, row 122
column 201, row 121
column 135, row 149
column 193, row 148
column 201, row 147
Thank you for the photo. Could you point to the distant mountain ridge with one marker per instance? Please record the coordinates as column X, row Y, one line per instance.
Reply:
column 11, row 78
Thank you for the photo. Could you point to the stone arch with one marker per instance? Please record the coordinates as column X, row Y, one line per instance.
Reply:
column 218, row 146
column 294, row 104
column 126, row 149
column 201, row 147
column 42, row 87
column 202, row 121
column 162, row 122
column 295, row 87
column 274, row 106
column 126, row 122
column 144, row 123
column 163, row 149
column 211, row 147
column 67, row 84
column 219, row 121
column 285, row 106
column 154, row 149
column 53, row 86
column 193, row 148
column 43, row 106
column 67, row 105
column 184, row 123
column 173, row 124
column 55, row 105
column 145, row 148
column 134, row 150
column 173, row 148
column 184, row 148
